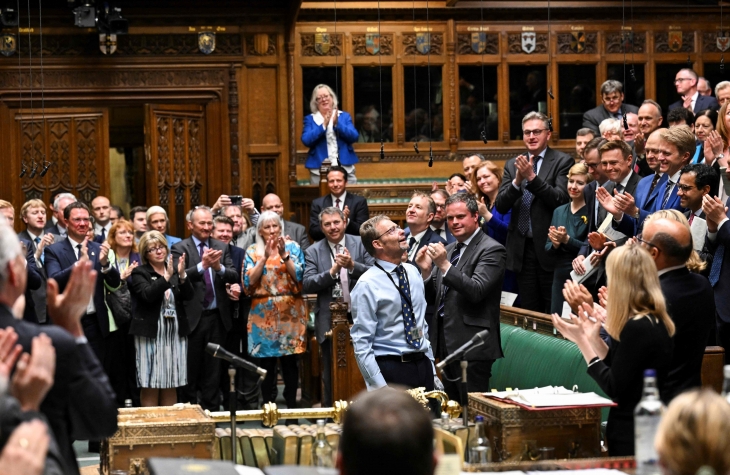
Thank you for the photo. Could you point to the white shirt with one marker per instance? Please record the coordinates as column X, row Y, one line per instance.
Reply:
column 97, row 228
column 341, row 198
column 417, row 237
column 626, row 179
column 89, row 308
column 694, row 100
column 333, row 248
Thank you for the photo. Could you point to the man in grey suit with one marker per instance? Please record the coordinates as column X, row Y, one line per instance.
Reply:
column 466, row 286
column 33, row 214
column 533, row 185
column 209, row 266
column 335, row 262
column 613, row 107
column 295, row 231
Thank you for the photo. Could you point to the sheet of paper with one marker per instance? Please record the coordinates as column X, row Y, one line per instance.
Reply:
column 566, row 311
column 699, row 231
column 551, row 396
column 588, row 471
column 508, row 299
column 589, row 270
column 449, row 464
column 606, row 228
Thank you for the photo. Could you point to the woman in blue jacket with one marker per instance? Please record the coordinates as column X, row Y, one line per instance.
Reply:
column 328, row 132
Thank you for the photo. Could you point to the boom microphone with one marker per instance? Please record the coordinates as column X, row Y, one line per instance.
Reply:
column 219, row 352
column 477, row 340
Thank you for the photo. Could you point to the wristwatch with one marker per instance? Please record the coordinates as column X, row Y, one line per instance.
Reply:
column 284, row 259
column 719, row 156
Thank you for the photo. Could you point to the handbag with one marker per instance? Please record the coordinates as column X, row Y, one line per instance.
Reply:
column 120, row 303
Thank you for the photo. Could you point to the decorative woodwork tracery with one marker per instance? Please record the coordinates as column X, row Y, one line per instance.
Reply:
column 233, row 122
column 263, row 178
column 661, row 42
column 251, row 45
column 113, row 78
column 465, row 44
column 309, row 48
column 709, row 40
column 615, row 41
column 565, row 43
column 359, row 45
column 514, row 43
column 410, row 48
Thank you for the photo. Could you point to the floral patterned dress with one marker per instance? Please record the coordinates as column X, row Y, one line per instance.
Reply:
column 277, row 323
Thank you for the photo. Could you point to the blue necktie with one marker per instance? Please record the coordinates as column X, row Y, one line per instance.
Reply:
column 523, row 222
column 717, row 265
column 667, row 193
column 37, row 241
column 454, row 259
column 409, row 319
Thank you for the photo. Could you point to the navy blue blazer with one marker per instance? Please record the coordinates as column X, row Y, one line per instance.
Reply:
column 59, row 259
column 359, row 213
column 702, row 103
column 430, row 237
column 647, row 203
column 34, row 282
column 722, row 287
column 314, row 136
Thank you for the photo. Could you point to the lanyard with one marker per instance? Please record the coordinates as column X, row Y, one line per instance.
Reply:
column 400, row 291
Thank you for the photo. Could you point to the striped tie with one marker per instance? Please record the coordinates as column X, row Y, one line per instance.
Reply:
column 717, row 265
column 454, row 259
column 667, row 193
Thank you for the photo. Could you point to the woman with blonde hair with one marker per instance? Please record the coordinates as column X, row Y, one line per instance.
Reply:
column 640, row 333
column 693, row 435
column 568, row 232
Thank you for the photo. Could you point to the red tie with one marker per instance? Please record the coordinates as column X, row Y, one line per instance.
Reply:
column 337, row 202
column 691, row 217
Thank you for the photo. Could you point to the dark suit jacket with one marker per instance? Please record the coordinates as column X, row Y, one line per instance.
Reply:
column 593, row 118
column 472, row 303
column 691, row 305
column 194, row 306
column 59, row 260
column 317, row 278
column 358, row 214
column 33, row 283
column 722, row 288
column 81, row 404
column 702, row 103
column 38, row 296
column 449, row 237
column 550, row 190
column 149, row 288
column 429, row 237
column 240, row 309
column 53, row 229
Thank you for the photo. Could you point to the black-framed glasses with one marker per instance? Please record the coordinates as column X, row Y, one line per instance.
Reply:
column 536, row 132
column 648, row 243
column 155, row 250
column 389, row 232
column 684, row 188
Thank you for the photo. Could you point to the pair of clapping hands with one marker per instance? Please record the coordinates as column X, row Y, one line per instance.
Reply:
column 587, row 317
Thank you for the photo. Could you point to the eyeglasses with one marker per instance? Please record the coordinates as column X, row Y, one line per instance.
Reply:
column 648, row 243
column 389, row 232
column 322, row 98
column 610, row 99
column 155, row 250
column 681, row 80
column 438, row 206
column 684, row 188
column 536, row 132
column 80, row 220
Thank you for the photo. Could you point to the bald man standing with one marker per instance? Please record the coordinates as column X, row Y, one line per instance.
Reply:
column 689, row 297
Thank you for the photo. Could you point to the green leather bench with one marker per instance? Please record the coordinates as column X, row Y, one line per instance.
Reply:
column 534, row 360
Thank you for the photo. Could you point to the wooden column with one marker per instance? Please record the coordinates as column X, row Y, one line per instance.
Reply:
column 347, row 380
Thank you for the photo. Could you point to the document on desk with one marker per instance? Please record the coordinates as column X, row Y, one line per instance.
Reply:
column 698, row 228
column 552, row 396
column 588, row 471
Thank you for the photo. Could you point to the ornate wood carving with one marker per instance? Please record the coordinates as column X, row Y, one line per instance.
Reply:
column 451, row 49
column 261, row 44
column 514, row 43
column 75, row 145
column 359, row 45
column 465, row 44
column 310, row 49
column 233, row 126
column 263, row 177
column 709, row 41
column 661, row 42
column 99, row 78
column 129, row 45
column 410, row 48
column 290, row 48
column 614, row 42
column 566, row 44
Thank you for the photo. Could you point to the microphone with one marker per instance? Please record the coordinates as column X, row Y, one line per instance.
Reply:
column 219, row 352
column 45, row 169
column 476, row 340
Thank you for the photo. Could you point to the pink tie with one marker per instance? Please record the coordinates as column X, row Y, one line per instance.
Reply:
column 344, row 281
column 691, row 217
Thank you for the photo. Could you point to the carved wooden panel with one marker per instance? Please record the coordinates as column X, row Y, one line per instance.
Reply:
column 175, row 159
column 103, row 78
column 74, row 145
column 467, row 45
column 360, row 46
column 615, row 41
column 263, row 178
column 709, row 41
column 129, row 45
column 261, row 44
column 662, row 42
column 577, row 42
column 514, row 43
column 412, row 48
column 261, row 87
column 233, row 123
column 321, row 44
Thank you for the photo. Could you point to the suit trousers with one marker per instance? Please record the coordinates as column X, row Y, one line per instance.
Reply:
column 325, row 350
column 204, row 369
column 477, row 378
column 115, row 364
column 534, row 282
column 413, row 374
column 723, row 337
column 92, row 332
column 246, row 381
column 290, row 371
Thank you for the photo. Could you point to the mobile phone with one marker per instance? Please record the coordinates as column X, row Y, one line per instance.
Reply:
column 236, row 199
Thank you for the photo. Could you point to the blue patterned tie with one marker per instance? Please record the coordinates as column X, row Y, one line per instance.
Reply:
column 523, row 222
column 667, row 193
column 37, row 241
column 717, row 265
column 409, row 319
column 454, row 259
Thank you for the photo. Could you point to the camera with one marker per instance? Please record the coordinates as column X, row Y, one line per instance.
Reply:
column 236, row 200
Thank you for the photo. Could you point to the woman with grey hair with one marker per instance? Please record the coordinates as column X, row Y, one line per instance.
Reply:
column 277, row 323
column 329, row 133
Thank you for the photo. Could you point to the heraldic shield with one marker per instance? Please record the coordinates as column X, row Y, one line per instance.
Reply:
column 423, row 42
column 206, row 42
column 9, row 44
column 529, row 41
column 322, row 43
column 723, row 40
column 372, row 43
column 478, row 42
column 577, row 41
column 675, row 40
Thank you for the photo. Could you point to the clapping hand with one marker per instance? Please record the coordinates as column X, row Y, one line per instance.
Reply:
column 128, row 271
column 576, row 295
column 212, row 259
column 604, row 197
column 597, row 240
column 168, row 269
column 84, row 251
column 597, row 256
column 26, row 449
column 334, row 117
column 344, row 260
column 34, row 372
column 639, row 143
column 181, row 267
column 558, row 235
column 270, row 248
column 9, row 351
column 625, row 202
column 47, row 240
column 346, row 212
column 714, row 210
column 424, row 261
column 67, row 308
column 104, row 253
column 437, row 252
column 281, row 245
column 484, row 209
column 525, row 167
column 603, row 296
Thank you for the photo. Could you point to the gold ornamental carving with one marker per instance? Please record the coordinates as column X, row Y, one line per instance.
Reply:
column 362, row 47
column 321, row 44
column 261, row 44
column 415, row 44
column 664, row 42
column 477, row 43
column 630, row 41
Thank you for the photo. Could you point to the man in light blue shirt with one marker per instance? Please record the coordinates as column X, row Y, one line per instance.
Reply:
column 390, row 333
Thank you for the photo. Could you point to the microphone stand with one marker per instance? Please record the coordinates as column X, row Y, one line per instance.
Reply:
column 465, row 395
column 232, row 396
